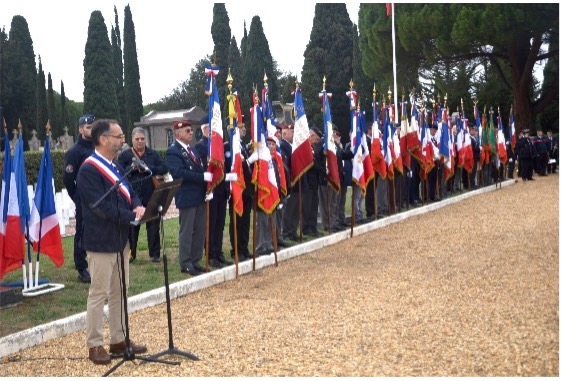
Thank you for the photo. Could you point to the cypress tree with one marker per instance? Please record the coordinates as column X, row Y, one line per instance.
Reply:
column 20, row 77
column 244, row 88
column 63, row 116
column 99, row 76
column 258, row 61
column 133, row 96
column 42, row 109
column 56, row 127
column 329, row 53
column 236, row 69
column 118, row 65
column 220, row 31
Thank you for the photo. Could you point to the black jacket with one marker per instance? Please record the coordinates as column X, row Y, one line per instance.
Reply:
column 73, row 159
column 182, row 166
column 106, row 227
column 141, row 182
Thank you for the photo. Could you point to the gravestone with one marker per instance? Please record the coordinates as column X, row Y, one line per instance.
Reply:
column 34, row 143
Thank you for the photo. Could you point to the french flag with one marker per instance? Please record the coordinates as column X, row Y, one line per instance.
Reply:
column 263, row 175
column 301, row 157
column 333, row 176
column 216, row 143
column 11, row 237
column 238, row 186
column 44, row 228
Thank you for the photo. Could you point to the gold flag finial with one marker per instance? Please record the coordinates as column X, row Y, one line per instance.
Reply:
column 264, row 78
column 351, row 83
column 389, row 92
column 324, row 83
column 48, row 127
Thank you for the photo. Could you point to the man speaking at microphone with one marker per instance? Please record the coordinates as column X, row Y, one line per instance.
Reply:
column 147, row 164
column 106, row 229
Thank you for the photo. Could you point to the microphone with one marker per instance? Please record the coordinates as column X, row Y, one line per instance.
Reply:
column 141, row 164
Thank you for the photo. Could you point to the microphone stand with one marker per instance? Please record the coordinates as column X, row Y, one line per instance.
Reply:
column 128, row 354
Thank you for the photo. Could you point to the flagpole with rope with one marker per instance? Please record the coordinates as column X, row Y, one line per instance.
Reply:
column 390, row 136
column 394, row 62
column 323, row 96
column 207, row 200
column 255, row 144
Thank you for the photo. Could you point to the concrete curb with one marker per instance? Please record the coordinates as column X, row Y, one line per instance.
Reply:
column 37, row 335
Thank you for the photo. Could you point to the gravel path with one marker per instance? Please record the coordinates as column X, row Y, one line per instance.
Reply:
column 468, row 290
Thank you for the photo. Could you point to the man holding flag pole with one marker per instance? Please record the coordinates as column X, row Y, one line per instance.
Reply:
column 215, row 166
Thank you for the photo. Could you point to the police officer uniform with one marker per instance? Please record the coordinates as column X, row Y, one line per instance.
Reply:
column 73, row 159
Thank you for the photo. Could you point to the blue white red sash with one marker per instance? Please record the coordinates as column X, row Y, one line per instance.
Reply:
column 110, row 173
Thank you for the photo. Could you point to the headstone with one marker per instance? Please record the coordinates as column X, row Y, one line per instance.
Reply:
column 34, row 143
column 66, row 141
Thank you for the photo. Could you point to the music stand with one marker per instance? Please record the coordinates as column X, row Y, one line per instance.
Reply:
column 157, row 207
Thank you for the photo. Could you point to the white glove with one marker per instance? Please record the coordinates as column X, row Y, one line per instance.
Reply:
column 510, row 160
column 231, row 177
column 253, row 158
column 209, row 197
column 207, row 176
column 327, row 171
column 280, row 206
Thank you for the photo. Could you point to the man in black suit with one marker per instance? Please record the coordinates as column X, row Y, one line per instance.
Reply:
column 552, row 144
column 184, row 163
column 106, row 229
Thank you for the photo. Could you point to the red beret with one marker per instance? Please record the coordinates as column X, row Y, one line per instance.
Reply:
column 181, row 124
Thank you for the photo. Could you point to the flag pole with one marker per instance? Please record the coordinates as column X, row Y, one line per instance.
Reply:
column 394, row 62
column 375, row 125
column 231, row 126
column 29, row 258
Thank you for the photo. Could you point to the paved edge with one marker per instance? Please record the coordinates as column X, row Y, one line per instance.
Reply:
column 37, row 335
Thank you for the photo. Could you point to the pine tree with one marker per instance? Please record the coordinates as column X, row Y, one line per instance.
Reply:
column 42, row 108
column 118, row 65
column 220, row 31
column 20, row 77
column 99, row 75
column 329, row 53
column 133, row 96
column 56, row 128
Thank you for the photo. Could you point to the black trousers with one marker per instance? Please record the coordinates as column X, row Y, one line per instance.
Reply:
column 370, row 199
column 310, row 210
column 217, row 215
column 152, row 236
column 80, row 262
column 242, row 224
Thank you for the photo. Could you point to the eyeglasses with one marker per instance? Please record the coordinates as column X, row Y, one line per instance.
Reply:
column 122, row 136
column 188, row 130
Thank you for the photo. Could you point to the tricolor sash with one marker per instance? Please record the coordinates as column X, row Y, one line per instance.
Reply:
column 110, row 173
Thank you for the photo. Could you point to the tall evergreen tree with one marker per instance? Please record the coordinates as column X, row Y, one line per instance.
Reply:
column 258, row 61
column 63, row 113
column 189, row 93
column 236, row 69
column 20, row 99
column 42, row 108
column 220, row 31
column 329, row 53
column 99, row 75
column 118, row 65
column 56, row 127
column 362, row 83
column 133, row 95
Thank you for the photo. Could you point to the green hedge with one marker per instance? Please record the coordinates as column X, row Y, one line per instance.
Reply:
column 33, row 159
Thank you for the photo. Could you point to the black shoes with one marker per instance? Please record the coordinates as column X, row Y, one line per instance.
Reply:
column 281, row 243
column 224, row 261
column 191, row 270
column 215, row 263
column 84, row 276
column 155, row 259
column 199, row 268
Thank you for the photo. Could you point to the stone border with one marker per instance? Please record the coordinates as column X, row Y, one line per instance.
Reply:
column 37, row 335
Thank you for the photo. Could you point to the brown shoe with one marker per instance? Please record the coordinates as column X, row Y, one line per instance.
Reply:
column 98, row 355
column 119, row 348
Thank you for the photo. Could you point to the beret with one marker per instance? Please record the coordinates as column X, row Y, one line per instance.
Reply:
column 86, row 119
column 181, row 124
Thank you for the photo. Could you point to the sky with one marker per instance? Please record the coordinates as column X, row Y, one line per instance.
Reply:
column 171, row 35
